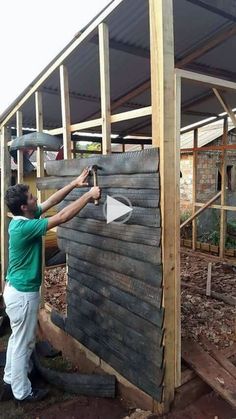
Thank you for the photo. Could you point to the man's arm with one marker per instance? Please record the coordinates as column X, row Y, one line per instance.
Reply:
column 58, row 196
column 73, row 209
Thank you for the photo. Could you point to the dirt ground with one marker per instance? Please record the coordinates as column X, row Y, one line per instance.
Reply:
column 206, row 316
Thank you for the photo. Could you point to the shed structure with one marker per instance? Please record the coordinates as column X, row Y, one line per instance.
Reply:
column 141, row 67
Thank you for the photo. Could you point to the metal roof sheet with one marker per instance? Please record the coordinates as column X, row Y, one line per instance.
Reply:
column 130, row 66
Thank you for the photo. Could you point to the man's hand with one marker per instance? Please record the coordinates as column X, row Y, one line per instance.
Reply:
column 95, row 192
column 81, row 179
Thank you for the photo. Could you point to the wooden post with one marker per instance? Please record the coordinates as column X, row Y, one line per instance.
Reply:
column 20, row 169
column 40, row 173
column 65, row 110
column 223, row 190
column 163, row 136
column 105, row 87
column 195, row 156
column 177, row 234
column 208, row 285
column 5, row 183
column 123, row 148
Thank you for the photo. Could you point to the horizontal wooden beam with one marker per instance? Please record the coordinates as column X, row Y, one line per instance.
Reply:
column 127, row 48
column 203, row 78
column 209, row 148
column 224, row 207
column 218, row 7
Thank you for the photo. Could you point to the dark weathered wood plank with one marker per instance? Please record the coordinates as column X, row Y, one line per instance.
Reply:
column 210, row 371
column 132, row 233
column 137, row 251
column 150, row 273
column 105, row 322
column 134, row 181
column 149, row 217
column 128, row 318
column 131, row 303
column 146, row 161
column 58, row 319
column 119, row 364
column 131, row 286
column 145, row 198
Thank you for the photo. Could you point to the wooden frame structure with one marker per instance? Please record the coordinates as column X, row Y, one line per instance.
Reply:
column 165, row 113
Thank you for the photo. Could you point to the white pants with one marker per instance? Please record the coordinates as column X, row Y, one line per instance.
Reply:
column 22, row 309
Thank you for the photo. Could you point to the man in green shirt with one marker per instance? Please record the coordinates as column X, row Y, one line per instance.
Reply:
column 23, row 280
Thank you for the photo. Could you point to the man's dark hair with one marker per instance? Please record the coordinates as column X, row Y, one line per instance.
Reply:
column 15, row 197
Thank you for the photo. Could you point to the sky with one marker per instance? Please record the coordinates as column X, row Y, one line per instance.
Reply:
column 32, row 33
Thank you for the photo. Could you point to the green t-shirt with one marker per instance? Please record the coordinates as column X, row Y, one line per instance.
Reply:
column 25, row 252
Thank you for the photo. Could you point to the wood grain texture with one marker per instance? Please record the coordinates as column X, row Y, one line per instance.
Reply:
column 149, row 273
column 127, row 336
column 133, row 234
column 140, row 181
column 146, row 161
column 141, row 252
column 132, row 286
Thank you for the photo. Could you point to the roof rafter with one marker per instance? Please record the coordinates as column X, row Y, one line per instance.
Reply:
column 218, row 7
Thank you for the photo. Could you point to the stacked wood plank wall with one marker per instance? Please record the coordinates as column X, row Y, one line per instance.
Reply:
column 114, row 292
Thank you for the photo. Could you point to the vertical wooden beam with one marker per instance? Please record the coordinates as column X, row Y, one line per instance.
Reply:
column 223, row 189
column 40, row 173
column 123, row 148
column 5, row 183
column 65, row 110
column 105, row 87
column 39, row 128
column 177, row 234
column 163, row 136
column 20, row 169
column 195, row 156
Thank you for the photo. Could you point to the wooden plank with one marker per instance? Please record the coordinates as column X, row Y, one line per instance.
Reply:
column 20, row 169
column 124, row 315
column 210, row 371
column 105, row 321
column 132, row 234
column 164, row 136
column 65, row 111
column 149, row 217
column 206, row 205
column 146, row 161
column 114, row 360
column 136, row 113
column 208, row 285
column 131, row 303
column 147, row 272
column 5, row 183
column 137, row 251
column 149, row 371
column 144, row 198
column 136, row 181
column 195, row 159
column 203, row 78
column 219, row 357
column 40, row 173
column 223, row 190
column 132, row 286
column 103, row 33
column 177, row 234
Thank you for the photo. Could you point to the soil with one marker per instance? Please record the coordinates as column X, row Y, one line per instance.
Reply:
column 202, row 315
column 55, row 280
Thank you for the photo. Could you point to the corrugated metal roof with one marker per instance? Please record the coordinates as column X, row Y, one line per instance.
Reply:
column 130, row 67
column 206, row 134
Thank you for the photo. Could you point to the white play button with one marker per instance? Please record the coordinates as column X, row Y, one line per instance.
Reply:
column 116, row 209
